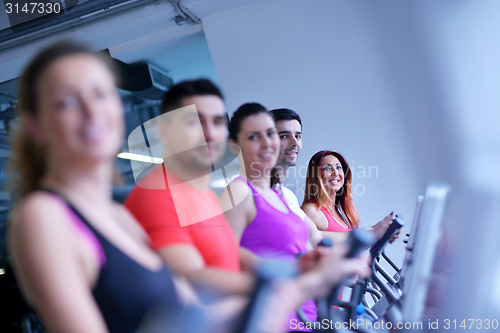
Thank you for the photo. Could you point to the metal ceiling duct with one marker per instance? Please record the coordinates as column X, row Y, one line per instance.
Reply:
column 22, row 23
column 143, row 79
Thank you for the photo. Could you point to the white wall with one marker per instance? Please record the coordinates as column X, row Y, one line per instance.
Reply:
column 464, row 38
column 327, row 61
column 410, row 87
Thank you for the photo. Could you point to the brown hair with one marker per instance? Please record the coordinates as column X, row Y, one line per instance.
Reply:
column 28, row 163
column 316, row 191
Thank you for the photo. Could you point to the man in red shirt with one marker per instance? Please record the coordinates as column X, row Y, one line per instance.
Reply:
column 174, row 203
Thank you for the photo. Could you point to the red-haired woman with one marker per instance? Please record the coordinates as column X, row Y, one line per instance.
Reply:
column 328, row 196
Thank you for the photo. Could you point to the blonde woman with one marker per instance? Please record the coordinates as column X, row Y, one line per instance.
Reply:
column 82, row 260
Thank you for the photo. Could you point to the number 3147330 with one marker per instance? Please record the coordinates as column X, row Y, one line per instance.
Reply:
column 476, row 324
column 33, row 8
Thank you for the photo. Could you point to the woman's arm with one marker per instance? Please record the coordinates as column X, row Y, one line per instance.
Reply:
column 320, row 222
column 317, row 235
column 239, row 206
column 381, row 227
column 314, row 234
column 326, row 268
column 316, row 216
column 54, row 267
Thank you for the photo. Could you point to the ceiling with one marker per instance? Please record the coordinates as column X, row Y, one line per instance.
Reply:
column 137, row 31
column 142, row 30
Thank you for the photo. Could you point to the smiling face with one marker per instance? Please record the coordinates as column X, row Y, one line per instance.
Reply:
column 290, row 134
column 196, row 137
column 213, row 119
column 332, row 173
column 259, row 143
column 79, row 112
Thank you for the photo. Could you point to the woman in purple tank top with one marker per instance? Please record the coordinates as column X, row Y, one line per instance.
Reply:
column 262, row 222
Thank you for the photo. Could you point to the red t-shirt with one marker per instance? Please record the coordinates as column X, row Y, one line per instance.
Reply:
column 178, row 213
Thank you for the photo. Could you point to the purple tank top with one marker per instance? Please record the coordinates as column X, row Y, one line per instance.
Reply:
column 277, row 235
column 274, row 234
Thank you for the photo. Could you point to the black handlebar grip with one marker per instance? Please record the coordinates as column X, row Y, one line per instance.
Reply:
column 358, row 241
column 397, row 223
column 326, row 242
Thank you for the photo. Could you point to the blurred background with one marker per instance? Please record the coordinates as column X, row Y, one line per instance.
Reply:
column 407, row 91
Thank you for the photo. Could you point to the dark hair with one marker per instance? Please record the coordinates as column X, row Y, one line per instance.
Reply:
column 174, row 96
column 244, row 111
column 285, row 114
column 278, row 115
column 28, row 158
column 315, row 189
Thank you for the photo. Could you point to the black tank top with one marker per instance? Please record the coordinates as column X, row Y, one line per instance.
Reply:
column 126, row 291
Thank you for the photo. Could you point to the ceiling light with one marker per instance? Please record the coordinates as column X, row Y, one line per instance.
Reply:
column 141, row 158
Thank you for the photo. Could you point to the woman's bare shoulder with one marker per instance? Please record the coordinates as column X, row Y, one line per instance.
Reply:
column 310, row 207
column 237, row 193
column 38, row 208
column 316, row 215
column 39, row 231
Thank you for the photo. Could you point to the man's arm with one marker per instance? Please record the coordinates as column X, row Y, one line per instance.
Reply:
column 157, row 213
column 248, row 260
column 186, row 260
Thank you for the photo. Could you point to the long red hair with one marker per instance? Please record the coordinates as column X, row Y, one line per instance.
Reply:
column 316, row 191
